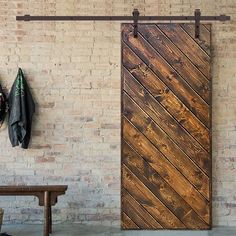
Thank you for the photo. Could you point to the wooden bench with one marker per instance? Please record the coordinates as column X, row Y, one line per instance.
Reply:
column 47, row 195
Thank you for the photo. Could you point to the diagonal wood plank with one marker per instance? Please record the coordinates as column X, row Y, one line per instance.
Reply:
column 181, row 89
column 149, row 201
column 141, row 96
column 188, row 46
column 161, row 189
column 207, row 26
column 165, row 96
column 177, row 60
column 205, row 37
column 127, row 223
column 151, row 154
column 137, row 213
column 133, row 213
column 164, row 144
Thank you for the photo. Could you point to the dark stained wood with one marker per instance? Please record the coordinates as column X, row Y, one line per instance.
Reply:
column 149, row 201
column 164, row 144
column 166, row 127
column 151, row 154
column 191, row 147
column 30, row 189
column 165, row 96
column 47, row 195
column 46, row 213
column 161, row 189
column 207, row 26
column 187, row 45
column 177, row 60
column 204, row 40
column 134, row 214
column 127, row 223
column 50, row 218
column 168, row 75
column 35, row 190
column 139, row 215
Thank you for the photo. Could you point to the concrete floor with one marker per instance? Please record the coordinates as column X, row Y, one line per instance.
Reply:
column 88, row 230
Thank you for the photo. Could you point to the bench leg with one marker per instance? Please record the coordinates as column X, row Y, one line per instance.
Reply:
column 50, row 219
column 46, row 213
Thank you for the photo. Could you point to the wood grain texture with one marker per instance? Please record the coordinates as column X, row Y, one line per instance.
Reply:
column 188, row 46
column 207, row 26
column 149, row 104
column 166, row 125
column 149, row 201
column 168, row 75
column 177, row 59
column 138, row 213
column 167, row 171
column 161, row 189
column 166, row 97
column 205, row 37
column 167, row 146
column 127, row 223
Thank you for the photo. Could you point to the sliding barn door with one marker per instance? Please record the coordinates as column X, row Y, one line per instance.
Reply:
column 166, row 127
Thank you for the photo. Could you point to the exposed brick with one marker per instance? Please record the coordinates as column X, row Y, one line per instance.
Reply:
column 45, row 159
column 73, row 69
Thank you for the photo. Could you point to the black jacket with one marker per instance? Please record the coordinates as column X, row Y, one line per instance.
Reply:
column 2, row 105
column 21, row 110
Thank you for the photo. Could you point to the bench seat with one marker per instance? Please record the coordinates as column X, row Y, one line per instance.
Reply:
column 47, row 195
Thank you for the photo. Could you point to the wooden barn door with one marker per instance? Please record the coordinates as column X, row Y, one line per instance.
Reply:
column 166, row 127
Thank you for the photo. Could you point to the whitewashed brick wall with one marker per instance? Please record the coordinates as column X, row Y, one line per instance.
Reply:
column 73, row 69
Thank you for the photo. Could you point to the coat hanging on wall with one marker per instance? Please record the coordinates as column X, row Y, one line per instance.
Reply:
column 21, row 110
column 2, row 106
